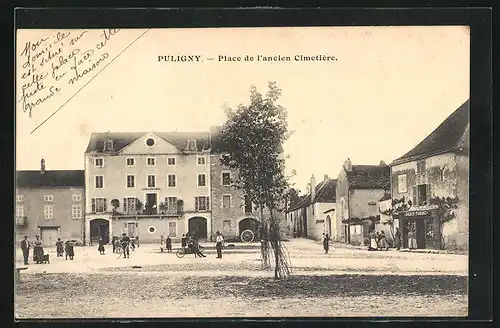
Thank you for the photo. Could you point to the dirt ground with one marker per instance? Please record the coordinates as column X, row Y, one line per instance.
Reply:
column 344, row 283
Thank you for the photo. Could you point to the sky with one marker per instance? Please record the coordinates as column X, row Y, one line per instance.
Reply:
column 388, row 89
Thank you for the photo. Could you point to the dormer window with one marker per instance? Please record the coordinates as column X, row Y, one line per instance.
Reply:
column 192, row 145
column 108, row 145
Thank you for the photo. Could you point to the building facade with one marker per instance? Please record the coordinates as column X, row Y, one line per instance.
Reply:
column 359, row 188
column 50, row 204
column 314, row 214
column 147, row 185
column 436, row 168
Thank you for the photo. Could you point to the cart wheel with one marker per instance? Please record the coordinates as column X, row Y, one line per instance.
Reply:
column 180, row 253
column 247, row 236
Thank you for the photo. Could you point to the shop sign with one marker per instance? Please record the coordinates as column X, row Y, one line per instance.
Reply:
column 417, row 213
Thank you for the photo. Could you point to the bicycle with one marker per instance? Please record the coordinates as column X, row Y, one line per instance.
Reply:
column 129, row 248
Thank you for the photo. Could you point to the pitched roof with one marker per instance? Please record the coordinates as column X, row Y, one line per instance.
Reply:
column 325, row 192
column 369, row 177
column 450, row 136
column 123, row 139
column 52, row 178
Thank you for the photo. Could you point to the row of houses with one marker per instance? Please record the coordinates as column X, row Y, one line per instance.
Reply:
column 142, row 184
column 425, row 190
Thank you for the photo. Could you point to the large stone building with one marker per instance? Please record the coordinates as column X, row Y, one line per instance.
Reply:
column 147, row 184
column 50, row 204
column 437, row 167
column 314, row 214
column 359, row 189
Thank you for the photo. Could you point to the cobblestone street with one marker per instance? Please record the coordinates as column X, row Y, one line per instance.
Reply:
column 345, row 282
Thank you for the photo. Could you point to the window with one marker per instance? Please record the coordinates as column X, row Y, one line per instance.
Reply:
column 171, row 204
column 226, row 201
column 150, row 161
column 48, row 198
column 191, row 145
column 171, row 181
column 130, row 181
column 130, row 161
column 422, row 193
column 202, row 180
column 226, row 178
column 150, row 142
column 248, row 204
column 99, row 181
column 76, row 212
column 77, row 198
column 402, row 187
column 19, row 211
column 151, row 181
column 171, row 161
column 99, row 205
column 172, row 229
column 129, row 205
column 201, row 203
column 421, row 167
column 201, row 160
column 48, row 212
column 108, row 145
column 19, row 198
column 99, row 162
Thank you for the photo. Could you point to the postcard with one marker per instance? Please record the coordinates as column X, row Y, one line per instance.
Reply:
column 242, row 172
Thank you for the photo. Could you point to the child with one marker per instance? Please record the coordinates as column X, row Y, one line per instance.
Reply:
column 169, row 244
column 59, row 247
column 162, row 243
column 183, row 241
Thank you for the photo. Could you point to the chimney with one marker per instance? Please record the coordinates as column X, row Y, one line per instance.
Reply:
column 326, row 178
column 308, row 188
column 313, row 188
column 382, row 163
column 348, row 165
column 42, row 166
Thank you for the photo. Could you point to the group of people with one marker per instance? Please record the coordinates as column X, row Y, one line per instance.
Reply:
column 190, row 243
column 67, row 247
column 378, row 241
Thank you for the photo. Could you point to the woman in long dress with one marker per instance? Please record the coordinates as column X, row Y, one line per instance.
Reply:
column 38, row 250
column 325, row 244
column 412, row 241
column 373, row 241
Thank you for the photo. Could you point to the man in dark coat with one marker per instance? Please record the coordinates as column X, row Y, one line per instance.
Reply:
column 25, row 247
column 125, row 242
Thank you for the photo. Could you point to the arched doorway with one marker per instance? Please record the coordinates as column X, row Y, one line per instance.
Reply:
column 99, row 228
column 248, row 224
column 329, row 226
column 198, row 226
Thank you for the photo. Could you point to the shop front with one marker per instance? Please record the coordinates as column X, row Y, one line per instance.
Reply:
column 425, row 225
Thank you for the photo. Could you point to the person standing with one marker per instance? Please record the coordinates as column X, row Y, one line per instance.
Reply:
column 412, row 241
column 101, row 246
column 70, row 250
column 137, row 241
column 25, row 247
column 169, row 244
column 162, row 243
column 326, row 246
column 38, row 250
column 196, row 247
column 125, row 242
column 219, row 243
column 373, row 241
column 397, row 239
column 59, row 248
column 383, row 241
column 183, row 241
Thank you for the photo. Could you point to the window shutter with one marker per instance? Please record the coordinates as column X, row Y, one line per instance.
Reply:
column 93, row 205
column 105, row 205
column 196, row 203
column 415, row 198
column 208, row 202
